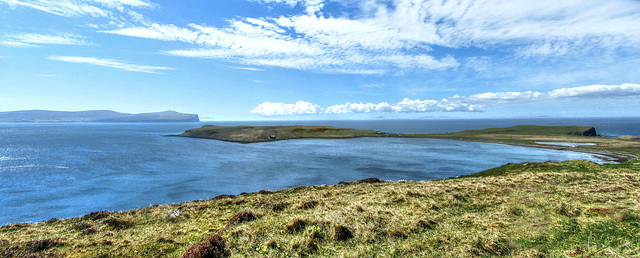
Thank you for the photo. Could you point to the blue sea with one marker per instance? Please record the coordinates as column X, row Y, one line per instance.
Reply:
column 62, row 170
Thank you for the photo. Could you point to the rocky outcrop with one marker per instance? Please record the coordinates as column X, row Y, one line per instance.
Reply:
column 590, row 132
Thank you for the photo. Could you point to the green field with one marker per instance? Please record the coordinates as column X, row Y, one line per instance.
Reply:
column 552, row 209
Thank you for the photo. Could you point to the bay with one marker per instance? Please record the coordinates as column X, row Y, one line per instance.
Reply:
column 71, row 169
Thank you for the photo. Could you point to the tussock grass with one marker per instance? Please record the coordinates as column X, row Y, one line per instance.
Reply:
column 571, row 208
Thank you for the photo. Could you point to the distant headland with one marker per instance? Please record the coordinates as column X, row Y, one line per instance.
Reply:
column 95, row 116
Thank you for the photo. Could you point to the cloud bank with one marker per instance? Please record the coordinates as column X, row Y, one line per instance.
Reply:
column 282, row 109
column 473, row 103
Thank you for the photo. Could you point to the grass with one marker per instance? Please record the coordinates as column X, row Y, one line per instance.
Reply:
column 529, row 209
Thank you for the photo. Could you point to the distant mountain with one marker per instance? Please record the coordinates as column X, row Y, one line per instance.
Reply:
column 105, row 116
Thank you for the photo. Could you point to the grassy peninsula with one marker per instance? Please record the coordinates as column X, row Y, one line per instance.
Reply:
column 253, row 134
column 560, row 209
column 620, row 149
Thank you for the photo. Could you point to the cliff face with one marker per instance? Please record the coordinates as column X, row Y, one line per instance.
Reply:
column 105, row 116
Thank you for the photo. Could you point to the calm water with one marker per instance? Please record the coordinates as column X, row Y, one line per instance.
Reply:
column 68, row 170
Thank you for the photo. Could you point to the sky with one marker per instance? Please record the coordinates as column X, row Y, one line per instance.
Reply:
column 323, row 59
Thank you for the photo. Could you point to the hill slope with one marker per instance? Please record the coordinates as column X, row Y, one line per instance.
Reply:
column 525, row 210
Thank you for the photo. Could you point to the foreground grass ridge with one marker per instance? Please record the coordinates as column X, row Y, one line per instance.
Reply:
column 529, row 209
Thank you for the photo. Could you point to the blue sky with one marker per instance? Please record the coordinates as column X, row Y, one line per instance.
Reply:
column 323, row 59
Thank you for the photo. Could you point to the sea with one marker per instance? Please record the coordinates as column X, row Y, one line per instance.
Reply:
column 63, row 170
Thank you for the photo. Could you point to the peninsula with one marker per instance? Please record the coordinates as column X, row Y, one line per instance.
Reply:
column 582, row 138
column 254, row 134
column 95, row 116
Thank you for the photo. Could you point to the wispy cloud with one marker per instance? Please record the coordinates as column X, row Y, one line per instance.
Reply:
column 247, row 69
column 265, row 42
column 472, row 103
column 110, row 63
column 35, row 40
column 70, row 8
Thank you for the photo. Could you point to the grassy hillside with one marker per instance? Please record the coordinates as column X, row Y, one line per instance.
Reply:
column 528, row 210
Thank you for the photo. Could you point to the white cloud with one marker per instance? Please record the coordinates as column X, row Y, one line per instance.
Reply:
column 15, row 44
column 473, row 103
column 110, row 63
column 598, row 91
column 358, row 108
column 282, row 109
column 34, row 39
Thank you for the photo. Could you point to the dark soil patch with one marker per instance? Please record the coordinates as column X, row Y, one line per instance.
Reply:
column 342, row 233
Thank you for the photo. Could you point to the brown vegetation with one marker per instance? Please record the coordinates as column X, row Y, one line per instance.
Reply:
column 212, row 247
